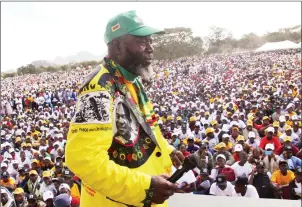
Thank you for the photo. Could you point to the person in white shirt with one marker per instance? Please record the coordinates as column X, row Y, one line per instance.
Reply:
column 242, row 189
column 242, row 167
column 23, row 159
column 252, row 140
column 236, row 121
column 13, row 169
column 221, row 187
column 47, row 184
column 289, row 132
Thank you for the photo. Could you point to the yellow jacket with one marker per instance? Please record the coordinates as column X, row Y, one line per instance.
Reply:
column 91, row 155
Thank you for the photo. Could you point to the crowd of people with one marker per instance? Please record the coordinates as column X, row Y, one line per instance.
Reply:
column 238, row 114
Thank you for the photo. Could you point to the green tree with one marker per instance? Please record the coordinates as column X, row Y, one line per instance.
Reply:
column 220, row 40
column 176, row 42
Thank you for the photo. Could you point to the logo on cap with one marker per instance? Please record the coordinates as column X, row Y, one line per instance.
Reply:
column 115, row 27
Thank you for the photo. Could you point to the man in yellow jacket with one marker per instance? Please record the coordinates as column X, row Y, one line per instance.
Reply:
column 114, row 142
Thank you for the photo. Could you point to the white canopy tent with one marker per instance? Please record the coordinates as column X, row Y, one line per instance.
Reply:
column 270, row 46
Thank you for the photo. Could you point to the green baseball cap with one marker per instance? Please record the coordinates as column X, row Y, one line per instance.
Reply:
column 127, row 23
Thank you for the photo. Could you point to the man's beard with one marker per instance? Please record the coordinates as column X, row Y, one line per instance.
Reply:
column 145, row 72
column 137, row 68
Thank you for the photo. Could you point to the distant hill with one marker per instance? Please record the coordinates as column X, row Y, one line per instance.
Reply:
column 43, row 63
column 80, row 57
column 69, row 60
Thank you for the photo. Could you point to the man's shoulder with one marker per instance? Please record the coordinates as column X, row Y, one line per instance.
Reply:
column 100, row 77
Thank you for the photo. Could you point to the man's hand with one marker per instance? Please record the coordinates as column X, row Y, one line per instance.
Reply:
column 186, row 188
column 177, row 158
column 162, row 189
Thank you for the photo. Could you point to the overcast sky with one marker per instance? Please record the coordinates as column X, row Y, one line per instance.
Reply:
column 42, row 31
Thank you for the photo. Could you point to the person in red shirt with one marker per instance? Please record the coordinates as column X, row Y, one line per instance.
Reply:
column 182, row 148
column 264, row 125
column 237, row 149
column 287, row 142
column 269, row 138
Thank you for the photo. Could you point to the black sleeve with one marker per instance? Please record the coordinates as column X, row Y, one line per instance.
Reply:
column 26, row 188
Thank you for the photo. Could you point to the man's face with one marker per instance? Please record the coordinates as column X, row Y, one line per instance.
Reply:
column 260, row 169
column 225, row 140
column 238, row 188
column 64, row 190
column 19, row 198
column 4, row 198
column 222, row 186
column 33, row 178
column 5, row 178
column 283, row 167
column 269, row 135
column 56, row 184
column 47, row 180
column 220, row 162
column 289, row 154
column 58, row 169
column 243, row 158
column 252, row 140
column 249, row 127
column 235, row 133
column 191, row 143
column 137, row 54
column 211, row 135
column 123, row 122
column 221, row 150
column 288, row 132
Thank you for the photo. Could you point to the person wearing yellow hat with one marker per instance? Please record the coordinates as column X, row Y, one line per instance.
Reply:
column 33, row 183
column 210, row 137
column 20, row 197
column 289, row 132
column 35, row 165
column 235, row 132
column 197, row 134
column 287, row 142
column 47, row 184
column 262, row 127
column 23, row 146
column 192, row 122
column 277, row 132
column 249, row 128
column 178, row 121
column 221, row 149
column 241, row 140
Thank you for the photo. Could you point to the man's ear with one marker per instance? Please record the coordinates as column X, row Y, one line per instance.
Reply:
column 118, row 46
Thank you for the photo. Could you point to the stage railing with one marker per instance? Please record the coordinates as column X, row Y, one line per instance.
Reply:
column 190, row 200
